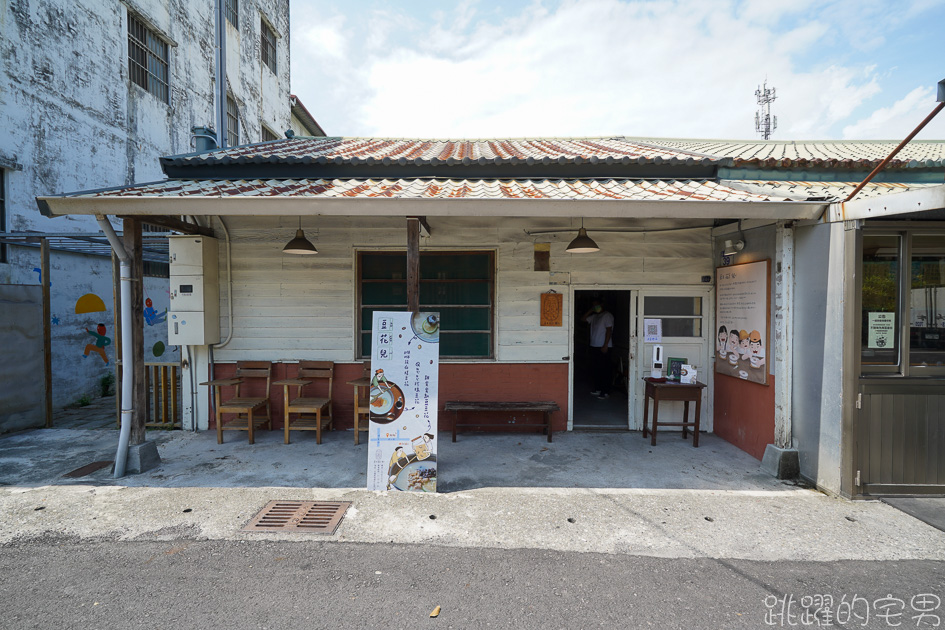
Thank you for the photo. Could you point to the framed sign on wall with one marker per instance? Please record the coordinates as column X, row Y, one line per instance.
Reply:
column 743, row 317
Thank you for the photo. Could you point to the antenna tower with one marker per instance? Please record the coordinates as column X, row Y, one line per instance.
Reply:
column 765, row 123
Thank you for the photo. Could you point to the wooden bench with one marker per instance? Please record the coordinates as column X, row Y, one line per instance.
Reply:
column 546, row 407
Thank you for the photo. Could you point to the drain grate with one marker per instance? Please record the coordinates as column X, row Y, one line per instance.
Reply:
column 317, row 517
column 88, row 469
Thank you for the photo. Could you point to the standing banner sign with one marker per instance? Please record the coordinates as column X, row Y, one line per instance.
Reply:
column 405, row 361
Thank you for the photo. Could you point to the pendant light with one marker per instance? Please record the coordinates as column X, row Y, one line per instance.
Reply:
column 582, row 243
column 299, row 244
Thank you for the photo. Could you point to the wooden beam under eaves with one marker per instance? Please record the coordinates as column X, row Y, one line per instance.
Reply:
column 173, row 224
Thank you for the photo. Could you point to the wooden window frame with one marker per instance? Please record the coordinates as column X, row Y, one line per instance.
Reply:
column 149, row 59
column 359, row 281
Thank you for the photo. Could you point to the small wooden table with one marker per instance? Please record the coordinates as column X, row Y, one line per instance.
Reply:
column 361, row 408
column 546, row 407
column 670, row 390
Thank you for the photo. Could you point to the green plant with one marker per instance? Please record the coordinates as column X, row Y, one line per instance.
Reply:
column 106, row 383
column 85, row 401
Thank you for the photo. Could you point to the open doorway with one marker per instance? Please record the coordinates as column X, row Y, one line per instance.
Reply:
column 588, row 409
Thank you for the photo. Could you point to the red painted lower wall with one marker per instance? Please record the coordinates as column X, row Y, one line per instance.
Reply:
column 458, row 381
column 744, row 413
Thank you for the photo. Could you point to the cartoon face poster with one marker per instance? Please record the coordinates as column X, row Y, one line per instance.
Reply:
column 741, row 314
column 405, row 360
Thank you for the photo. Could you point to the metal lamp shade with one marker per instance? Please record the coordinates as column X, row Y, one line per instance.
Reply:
column 582, row 244
column 299, row 245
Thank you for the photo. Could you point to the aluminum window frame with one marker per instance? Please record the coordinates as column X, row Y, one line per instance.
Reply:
column 904, row 369
column 149, row 59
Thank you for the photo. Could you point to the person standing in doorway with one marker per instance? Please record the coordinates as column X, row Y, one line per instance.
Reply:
column 601, row 322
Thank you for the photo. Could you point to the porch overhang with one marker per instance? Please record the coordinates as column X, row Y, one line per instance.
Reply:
column 925, row 199
column 394, row 207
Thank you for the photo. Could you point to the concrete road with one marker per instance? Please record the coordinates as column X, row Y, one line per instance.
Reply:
column 54, row 582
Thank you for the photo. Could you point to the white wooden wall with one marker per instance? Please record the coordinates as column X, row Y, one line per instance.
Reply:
column 288, row 307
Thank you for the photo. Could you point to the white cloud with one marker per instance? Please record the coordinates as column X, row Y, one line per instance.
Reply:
column 681, row 68
column 898, row 120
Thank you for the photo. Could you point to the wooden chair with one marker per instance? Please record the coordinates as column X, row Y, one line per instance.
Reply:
column 362, row 396
column 309, row 371
column 245, row 407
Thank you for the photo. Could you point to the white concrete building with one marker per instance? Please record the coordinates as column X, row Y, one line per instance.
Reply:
column 92, row 92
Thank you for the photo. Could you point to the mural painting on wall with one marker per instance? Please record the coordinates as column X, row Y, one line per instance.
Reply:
column 158, row 348
column 91, row 303
column 101, row 342
column 151, row 316
column 742, row 315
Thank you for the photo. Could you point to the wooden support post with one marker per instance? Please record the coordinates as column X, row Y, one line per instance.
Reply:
column 131, row 237
column 413, row 264
column 47, row 330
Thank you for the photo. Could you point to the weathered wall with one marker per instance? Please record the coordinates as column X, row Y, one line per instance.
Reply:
column 288, row 308
column 73, row 120
column 744, row 411
column 818, row 367
column 21, row 336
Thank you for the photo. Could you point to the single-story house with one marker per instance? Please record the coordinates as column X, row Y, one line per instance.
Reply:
column 853, row 332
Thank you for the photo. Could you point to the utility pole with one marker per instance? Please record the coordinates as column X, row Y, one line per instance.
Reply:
column 765, row 123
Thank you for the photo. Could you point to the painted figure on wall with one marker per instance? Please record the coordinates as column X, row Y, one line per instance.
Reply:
column 743, row 349
column 151, row 316
column 101, row 341
column 723, row 342
column 757, row 352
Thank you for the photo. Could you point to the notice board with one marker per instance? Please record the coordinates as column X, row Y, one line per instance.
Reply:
column 742, row 315
column 402, row 437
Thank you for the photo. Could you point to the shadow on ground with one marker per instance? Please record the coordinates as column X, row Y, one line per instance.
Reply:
column 584, row 460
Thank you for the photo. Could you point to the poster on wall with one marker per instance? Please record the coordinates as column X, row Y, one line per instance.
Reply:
column 742, row 316
column 881, row 328
column 405, row 360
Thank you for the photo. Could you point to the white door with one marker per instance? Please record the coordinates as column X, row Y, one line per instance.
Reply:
column 686, row 325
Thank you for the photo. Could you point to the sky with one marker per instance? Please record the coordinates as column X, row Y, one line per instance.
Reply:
column 842, row 69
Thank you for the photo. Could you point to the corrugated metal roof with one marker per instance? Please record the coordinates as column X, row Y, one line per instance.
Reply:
column 789, row 153
column 405, row 151
column 828, row 191
column 619, row 150
column 429, row 188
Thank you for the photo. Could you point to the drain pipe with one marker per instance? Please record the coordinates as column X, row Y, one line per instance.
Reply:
column 127, row 373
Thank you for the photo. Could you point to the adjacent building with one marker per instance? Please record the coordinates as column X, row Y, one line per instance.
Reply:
column 92, row 93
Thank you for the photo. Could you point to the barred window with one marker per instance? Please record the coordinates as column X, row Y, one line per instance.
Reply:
column 232, row 10
column 232, row 123
column 148, row 56
column 268, row 135
column 267, row 49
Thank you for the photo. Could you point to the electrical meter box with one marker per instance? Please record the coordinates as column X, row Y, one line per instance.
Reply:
column 194, row 315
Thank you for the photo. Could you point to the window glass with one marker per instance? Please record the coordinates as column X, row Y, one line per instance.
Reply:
column 268, row 135
column 880, row 314
column 681, row 315
column 927, row 301
column 457, row 285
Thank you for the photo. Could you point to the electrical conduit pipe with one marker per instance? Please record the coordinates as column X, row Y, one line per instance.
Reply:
column 127, row 372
